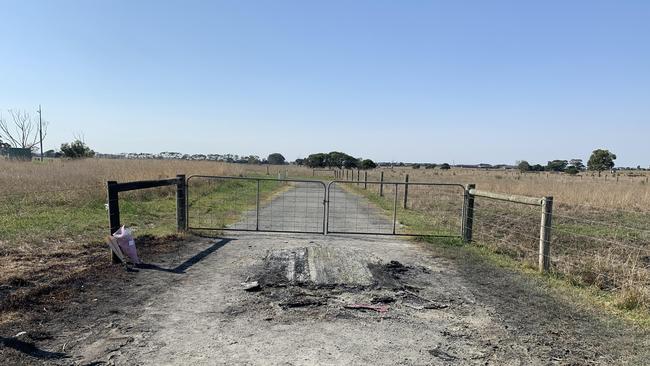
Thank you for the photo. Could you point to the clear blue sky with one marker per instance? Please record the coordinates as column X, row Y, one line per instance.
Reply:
column 442, row 81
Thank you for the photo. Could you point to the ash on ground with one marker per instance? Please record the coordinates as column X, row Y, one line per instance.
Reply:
column 325, row 281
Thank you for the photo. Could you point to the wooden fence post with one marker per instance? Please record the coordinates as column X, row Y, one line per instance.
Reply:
column 381, row 184
column 406, row 190
column 468, row 214
column 181, row 203
column 358, row 177
column 113, row 213
column 545, row 235
column 365, row 180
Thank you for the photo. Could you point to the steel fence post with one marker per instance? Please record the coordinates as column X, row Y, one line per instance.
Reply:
column 395, row 210
column 406, row 190
column 257, row 207
column 381, row 184
column 326, row 207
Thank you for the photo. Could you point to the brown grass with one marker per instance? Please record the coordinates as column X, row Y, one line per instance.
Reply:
column 601, row 237
column 76, row 174
column 57, row 209
column 587, row 189
column 601, row 225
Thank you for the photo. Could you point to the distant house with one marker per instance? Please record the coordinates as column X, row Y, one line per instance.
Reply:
column 466, row 166
column 14, row 153
column 486, row 166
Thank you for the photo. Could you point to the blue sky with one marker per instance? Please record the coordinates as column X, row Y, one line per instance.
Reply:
column 442, row 81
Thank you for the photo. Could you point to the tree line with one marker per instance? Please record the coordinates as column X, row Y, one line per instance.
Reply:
column 23, row 132
column 600, row 160
column 272, row 159
column 336, row 159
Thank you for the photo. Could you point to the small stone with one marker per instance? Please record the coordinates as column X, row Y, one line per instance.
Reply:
column 251, row 286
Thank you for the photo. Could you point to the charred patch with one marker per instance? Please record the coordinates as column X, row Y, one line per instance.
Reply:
column 389, row 275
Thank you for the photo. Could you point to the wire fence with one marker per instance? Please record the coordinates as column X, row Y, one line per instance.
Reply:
column 607, row 249
column 610, row 250
column 508, row 228
column 591, row 246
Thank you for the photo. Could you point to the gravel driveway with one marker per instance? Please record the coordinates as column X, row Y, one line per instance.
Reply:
column 352, row 300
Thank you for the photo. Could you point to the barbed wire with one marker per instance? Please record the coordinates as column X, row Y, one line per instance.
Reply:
column 600, row 222
column 536, row 238
column 604, row 240
column 492, row 214
column 605, row 209
column 503, row 240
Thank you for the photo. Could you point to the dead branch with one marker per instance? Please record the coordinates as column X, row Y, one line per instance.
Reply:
column 23, row 132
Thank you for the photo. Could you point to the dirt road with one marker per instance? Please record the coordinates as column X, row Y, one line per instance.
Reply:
column 332, row 300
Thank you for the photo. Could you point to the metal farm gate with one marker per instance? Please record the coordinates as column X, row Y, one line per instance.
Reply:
column 315, row 207
column 394, row 208
column 256, row 204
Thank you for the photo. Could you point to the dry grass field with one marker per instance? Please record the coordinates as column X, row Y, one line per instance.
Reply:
column 601, row 225
column 624, row 191
column 53, row 220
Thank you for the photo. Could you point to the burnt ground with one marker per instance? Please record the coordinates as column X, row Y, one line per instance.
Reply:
column 38, row 312
column 317, row 300
column 419, row 306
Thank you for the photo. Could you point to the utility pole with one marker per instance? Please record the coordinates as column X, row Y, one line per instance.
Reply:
column 40, row 129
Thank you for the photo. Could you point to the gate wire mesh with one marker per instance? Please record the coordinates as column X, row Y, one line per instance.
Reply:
column 256, row 204
column 359, row 207
column 607, row 249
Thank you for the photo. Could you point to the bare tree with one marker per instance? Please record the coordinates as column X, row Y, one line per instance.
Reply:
column 23, row 132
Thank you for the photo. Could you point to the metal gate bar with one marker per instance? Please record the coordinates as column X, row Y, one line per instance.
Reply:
column 305, row 212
